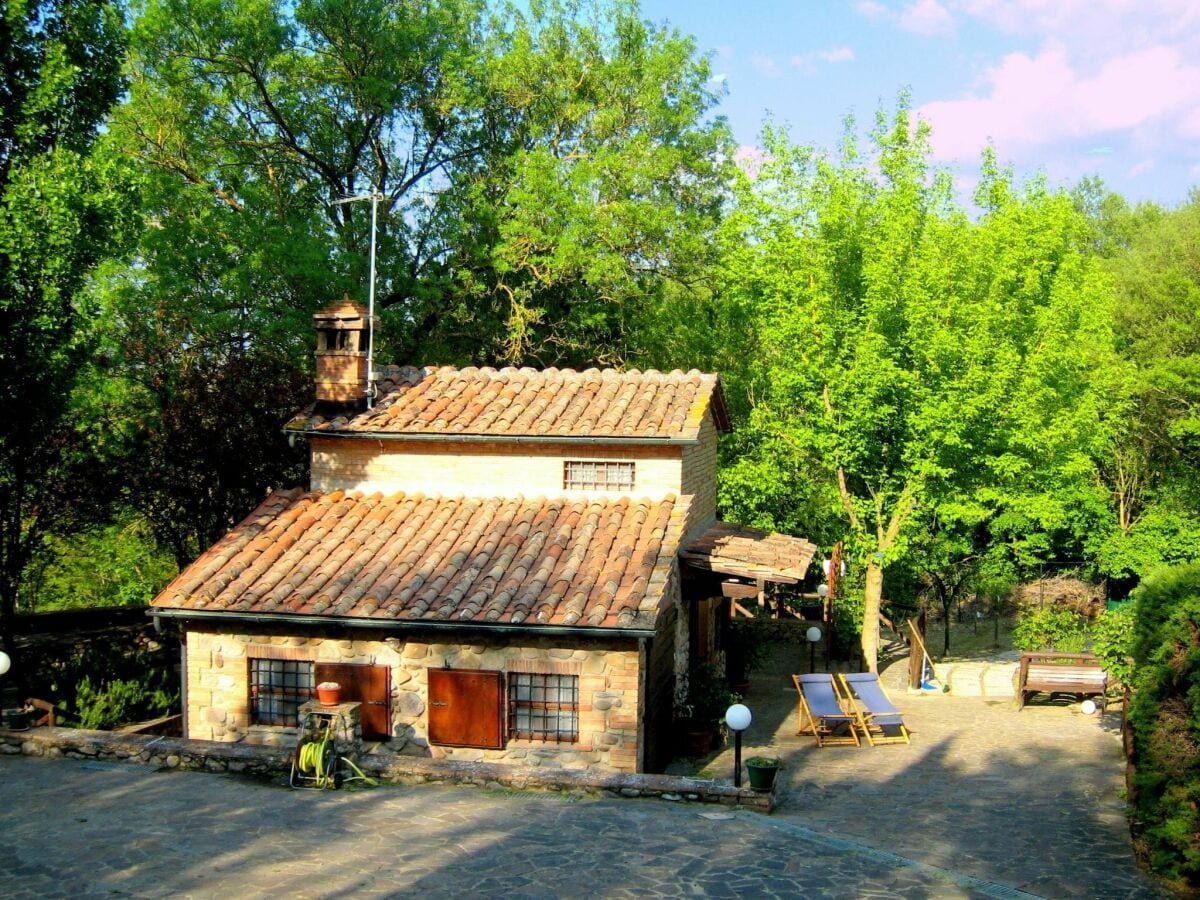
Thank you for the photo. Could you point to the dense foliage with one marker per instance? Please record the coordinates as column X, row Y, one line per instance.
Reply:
column 62, row 212
column 915, row 372
column 1165, row 716
column 1051, row 628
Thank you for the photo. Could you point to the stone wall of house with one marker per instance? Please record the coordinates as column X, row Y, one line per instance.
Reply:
column 218, row 696
column 660, row 687
column 483, row 469
column 700, row 477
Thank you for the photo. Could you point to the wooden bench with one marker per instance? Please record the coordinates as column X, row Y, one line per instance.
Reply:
column 1061, row 673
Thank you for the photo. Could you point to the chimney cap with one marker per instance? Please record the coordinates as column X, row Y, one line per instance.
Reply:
column 342, row 310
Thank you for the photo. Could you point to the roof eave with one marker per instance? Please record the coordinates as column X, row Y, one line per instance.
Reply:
column 498, row 438
column 397, row 625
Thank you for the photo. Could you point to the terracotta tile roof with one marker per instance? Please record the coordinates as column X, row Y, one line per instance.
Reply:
column 577, row 562
column 750, row 553
column 548, row 403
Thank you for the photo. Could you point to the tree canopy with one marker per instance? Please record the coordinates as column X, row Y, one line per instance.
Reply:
column 915, row 366
column 61, row 213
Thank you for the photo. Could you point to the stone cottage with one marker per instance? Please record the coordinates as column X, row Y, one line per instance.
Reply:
column 510, row 565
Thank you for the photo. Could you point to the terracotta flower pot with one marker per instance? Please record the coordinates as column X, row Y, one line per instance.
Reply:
column 329, row 693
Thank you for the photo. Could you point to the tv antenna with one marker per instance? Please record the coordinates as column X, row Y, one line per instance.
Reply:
column 374, row 197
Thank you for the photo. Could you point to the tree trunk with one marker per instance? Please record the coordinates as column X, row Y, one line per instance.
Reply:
column 871, row 603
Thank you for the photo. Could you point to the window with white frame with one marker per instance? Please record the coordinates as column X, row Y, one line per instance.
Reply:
column 593, row 475
column 543, row 707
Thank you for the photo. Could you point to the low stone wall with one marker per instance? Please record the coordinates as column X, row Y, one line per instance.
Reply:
column 267, row 761
column 979, row 678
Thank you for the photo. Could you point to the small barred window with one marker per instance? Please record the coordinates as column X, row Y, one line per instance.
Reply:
column 278, row 688
column 585, row 475
column 543, row 707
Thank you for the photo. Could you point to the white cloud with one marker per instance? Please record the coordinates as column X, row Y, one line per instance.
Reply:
column 871, row 9
column 1032, row 101
column 926, row 17
column 1142, row 167
column 765, row 65
column 808, row 61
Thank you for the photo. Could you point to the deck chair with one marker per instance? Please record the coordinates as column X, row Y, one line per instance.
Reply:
column 823, row 712
column 877, row 716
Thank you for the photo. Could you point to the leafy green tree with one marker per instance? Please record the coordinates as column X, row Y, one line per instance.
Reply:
column 911, row 359
column 547, row 174
column 115, row 564
column 62, row 210
column 1153, row 467
column 545, row 169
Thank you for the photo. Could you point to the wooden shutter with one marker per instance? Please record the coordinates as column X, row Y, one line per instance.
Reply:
column 466, row 708
column 367, row 685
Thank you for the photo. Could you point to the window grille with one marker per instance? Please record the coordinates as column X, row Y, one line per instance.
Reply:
column 543, row 707
column 278, row 688
column 586, row 475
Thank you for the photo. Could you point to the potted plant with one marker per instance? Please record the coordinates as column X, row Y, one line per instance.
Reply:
column 707, row 699
column 329, row 693
column 762, row 771
column 746, row 647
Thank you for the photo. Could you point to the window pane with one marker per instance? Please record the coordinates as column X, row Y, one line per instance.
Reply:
column 603, row 476
column 278, row 687
column 544, row 707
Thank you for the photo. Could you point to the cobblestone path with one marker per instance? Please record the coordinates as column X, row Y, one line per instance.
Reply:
column 75, row 829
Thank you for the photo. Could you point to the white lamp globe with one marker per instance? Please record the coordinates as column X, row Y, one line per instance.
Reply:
column 737, row 717
column 813, row 634
column 1088, row 707
column 822, row 590
column 5, row 662
column 826, row 565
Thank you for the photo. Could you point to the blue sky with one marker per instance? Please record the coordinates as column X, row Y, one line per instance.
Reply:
column 1063, row 87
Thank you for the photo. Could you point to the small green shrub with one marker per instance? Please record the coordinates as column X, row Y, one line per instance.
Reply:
column 764, row 761
column 1112, row 641
column 119, row 702
column 1051, row 628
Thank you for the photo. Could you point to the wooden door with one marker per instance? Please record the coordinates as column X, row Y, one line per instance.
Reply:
column 466, row 708
column 368, row 685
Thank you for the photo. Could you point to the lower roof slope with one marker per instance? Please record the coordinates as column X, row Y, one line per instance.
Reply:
column 569, row 562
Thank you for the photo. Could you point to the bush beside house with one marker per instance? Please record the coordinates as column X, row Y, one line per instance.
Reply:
column 1165, row 718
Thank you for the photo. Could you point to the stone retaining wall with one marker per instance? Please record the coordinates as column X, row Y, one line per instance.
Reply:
column 267, row 761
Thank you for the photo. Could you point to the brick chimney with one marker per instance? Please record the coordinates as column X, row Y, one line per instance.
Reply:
column 342, row 352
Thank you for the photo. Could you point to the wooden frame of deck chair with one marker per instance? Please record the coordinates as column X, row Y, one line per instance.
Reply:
column 875, row 711
column 824, row 712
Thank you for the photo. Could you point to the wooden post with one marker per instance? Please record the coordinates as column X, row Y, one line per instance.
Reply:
column 835, row 574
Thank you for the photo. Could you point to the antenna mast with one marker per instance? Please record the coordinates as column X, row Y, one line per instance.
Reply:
column 374, row 197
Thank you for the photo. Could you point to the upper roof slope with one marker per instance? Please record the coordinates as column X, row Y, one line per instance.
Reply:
column 524, row 403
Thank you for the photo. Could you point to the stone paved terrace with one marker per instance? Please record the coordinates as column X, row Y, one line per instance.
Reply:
column 75, row 828
column 985, row 802
column 1030, row 798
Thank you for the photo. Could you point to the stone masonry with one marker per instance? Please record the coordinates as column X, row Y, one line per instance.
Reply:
column 218, row 691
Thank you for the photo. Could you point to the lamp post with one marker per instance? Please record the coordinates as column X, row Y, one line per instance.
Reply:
column 737, row 717
column 5, row 663
column 814, row 636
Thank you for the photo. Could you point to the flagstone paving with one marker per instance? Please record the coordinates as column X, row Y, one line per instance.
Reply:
column 986, row 801
column 81, row 829
column 1028, row 798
